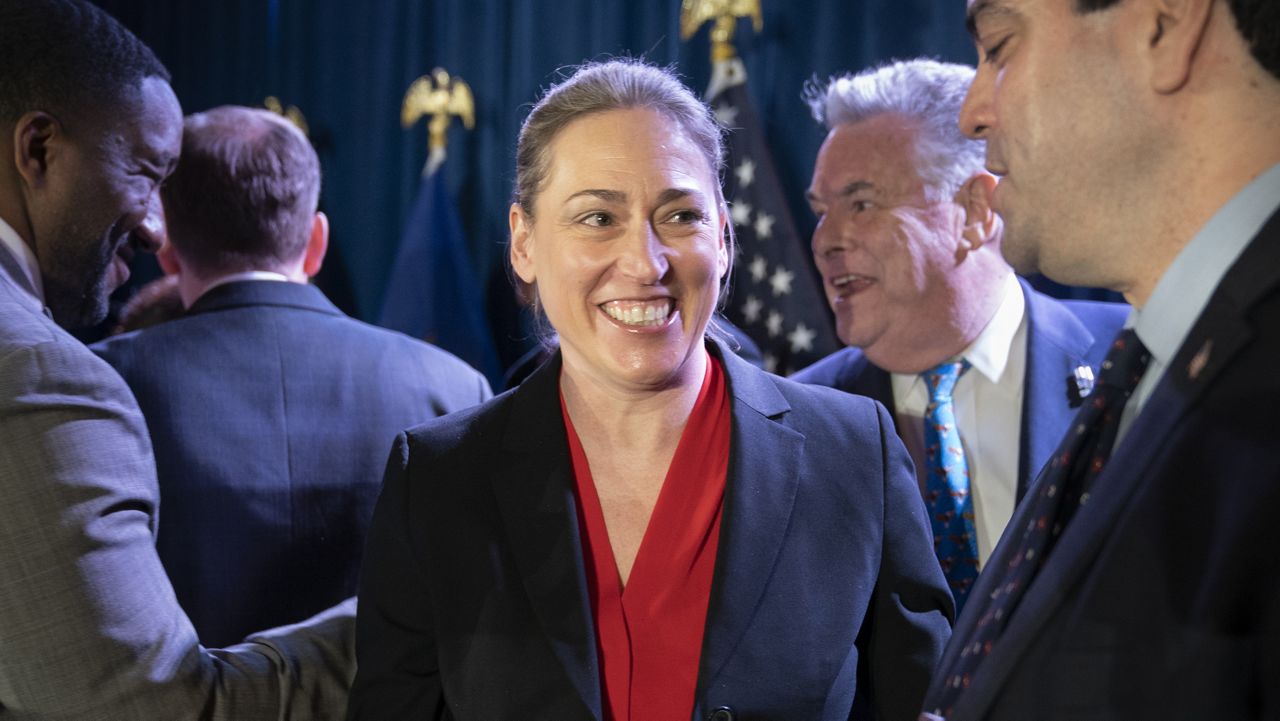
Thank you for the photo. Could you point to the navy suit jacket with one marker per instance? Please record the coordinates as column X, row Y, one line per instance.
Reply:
column 271, row 413
column 827, row 602
column 1161, row 599
column 1061, row 337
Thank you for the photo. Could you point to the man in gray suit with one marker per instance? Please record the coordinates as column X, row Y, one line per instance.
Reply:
column 89, row 627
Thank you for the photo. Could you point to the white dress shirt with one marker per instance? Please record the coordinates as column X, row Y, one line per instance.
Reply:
column 988, row 407
column 22, row 253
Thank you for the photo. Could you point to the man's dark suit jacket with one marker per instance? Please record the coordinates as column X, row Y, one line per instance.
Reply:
column 1161, row 599
column 826, row 595
column 271, row 414
column 1062, row 336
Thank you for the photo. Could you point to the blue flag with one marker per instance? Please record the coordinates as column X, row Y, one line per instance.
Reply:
column 777, row 297
column 433, row 292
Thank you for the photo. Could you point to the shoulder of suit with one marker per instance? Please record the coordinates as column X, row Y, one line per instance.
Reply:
column 35, row 352
column 409, row 344
column 478, row 423
column 1097, row 313
column 830, row 371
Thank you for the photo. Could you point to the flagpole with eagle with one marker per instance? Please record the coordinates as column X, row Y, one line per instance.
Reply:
column 433, row 292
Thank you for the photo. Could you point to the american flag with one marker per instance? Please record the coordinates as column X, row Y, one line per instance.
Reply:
column 777, row 298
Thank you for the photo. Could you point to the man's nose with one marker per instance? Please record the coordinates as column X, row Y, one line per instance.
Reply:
column 976, row 116
column 151, row 232
column 828, row 237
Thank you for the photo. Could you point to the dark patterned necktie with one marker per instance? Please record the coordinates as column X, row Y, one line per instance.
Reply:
column 946, row 488
column 1062, row 488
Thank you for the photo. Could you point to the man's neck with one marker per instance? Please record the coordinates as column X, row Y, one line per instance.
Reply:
column 1220, row 143
column 192, row 287
column 967, row 316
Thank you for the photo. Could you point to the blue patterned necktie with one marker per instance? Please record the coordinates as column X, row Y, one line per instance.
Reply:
column 1062, row 488
column 946, row 488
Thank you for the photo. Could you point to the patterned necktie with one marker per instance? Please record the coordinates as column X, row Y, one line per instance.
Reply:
column 1062, row 488
column 946, row 488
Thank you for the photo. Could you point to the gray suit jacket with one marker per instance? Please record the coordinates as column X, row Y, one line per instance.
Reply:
column 89, row 628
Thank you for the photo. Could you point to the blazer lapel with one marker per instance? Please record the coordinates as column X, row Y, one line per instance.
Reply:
column 1217, row 336
column 759, row 497
column 1057, row 344
column 533, row 484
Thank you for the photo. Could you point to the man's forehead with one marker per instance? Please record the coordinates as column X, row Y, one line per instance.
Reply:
column 869, row 156
column 158, row 118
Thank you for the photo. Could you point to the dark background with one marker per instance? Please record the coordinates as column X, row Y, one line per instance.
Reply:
column 347, row 65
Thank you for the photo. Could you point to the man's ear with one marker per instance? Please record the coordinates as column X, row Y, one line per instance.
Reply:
column 521, row 244
column 168, row 259
column 1174, row 30
column 36, row 138
column 981, row 225
column 317, row 245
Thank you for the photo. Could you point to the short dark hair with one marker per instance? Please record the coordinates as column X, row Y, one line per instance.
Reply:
column 245, row 191
column 1257, row 20
column 68, row 57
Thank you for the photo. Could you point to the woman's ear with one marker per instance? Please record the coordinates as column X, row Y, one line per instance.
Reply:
column 521, row 244
column 722, row 253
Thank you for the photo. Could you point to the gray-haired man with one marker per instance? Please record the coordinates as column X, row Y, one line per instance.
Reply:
column 982, row 373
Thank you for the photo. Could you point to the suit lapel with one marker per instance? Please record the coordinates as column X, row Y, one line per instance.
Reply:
column 533, row 484
column 1223, row 330
column 759, row 497
column 1057, row 344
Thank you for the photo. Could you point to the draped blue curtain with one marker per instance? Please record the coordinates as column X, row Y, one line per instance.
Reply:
column 347, row 66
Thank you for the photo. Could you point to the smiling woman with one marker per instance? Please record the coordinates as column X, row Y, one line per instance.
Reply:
column 627, row 252
column 648, row 527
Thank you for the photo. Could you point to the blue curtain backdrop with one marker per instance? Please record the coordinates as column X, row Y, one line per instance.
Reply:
column 347, row 65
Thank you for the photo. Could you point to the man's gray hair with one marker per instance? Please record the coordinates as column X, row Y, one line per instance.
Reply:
column 926, row 91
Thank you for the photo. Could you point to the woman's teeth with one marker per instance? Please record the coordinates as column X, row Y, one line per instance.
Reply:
column 639, row 313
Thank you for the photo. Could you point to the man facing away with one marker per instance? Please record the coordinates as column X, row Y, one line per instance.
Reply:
column 271, row 412
column 1137, row 147
column 89, row 626
column 982, row 373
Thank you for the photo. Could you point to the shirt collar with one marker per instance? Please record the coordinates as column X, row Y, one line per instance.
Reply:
column 22, row 253
column 989, row 352
column 246, row 275
column 1183, row 291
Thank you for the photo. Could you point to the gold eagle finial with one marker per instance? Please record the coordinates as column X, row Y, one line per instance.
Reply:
column 441, row 97
column 696, row 13
column 291, row 113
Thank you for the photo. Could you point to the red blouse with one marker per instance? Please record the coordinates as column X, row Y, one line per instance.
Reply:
column 649, row 635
